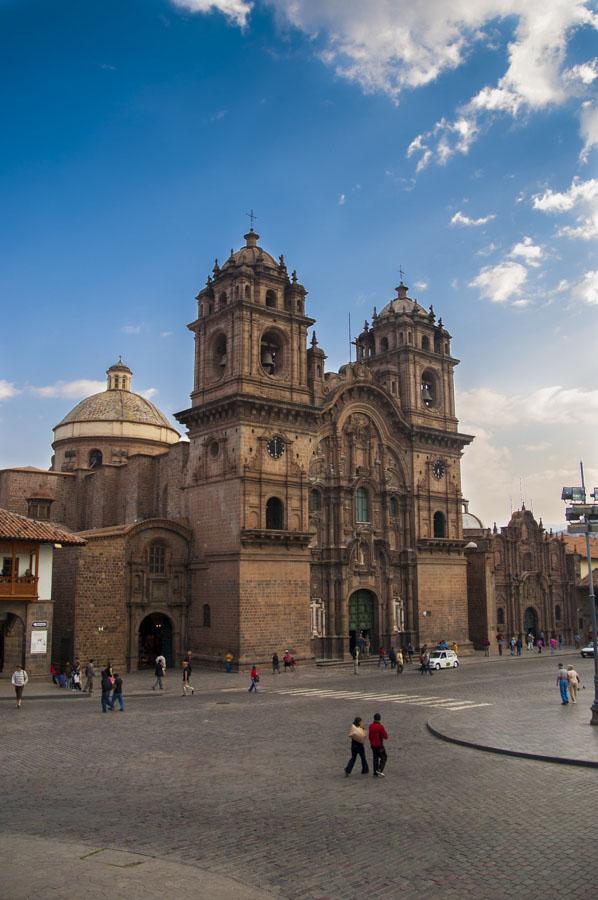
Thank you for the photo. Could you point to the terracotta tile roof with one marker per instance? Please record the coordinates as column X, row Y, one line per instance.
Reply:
column 585, row 582
column 20, row 528
column 576, row 543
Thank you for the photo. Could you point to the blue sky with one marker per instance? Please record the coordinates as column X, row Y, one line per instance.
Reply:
column 456, row 140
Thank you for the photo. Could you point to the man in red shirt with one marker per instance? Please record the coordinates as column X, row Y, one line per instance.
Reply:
column 377, row 735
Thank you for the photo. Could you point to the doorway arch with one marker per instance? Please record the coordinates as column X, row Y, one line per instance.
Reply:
column 362, row 619
column 530, row 621
column 12, row 643
column 155, row 638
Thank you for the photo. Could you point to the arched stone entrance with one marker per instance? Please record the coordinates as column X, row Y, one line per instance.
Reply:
column 362, row 619
column 155, row 638
column 530, row 621
column 12, row 643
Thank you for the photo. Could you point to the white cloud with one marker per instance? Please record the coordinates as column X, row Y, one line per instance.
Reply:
column 8, row 389
column 421, row 285
column 72, row 390
column 580, row 198
column 165, row 334
column 528, row 251
column 131, row 329
column 586, row 72
column 235, row 10
column 461, row 219
column 534, row 79
column 588, row 127
column 553, row 405
column 501, row 282
column 148, row 393
column 586, row 289
column 342, row 199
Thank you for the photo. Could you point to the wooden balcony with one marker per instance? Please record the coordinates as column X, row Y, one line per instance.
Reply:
column 21, row 587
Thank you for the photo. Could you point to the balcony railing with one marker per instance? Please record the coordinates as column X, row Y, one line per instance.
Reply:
column 21, row 586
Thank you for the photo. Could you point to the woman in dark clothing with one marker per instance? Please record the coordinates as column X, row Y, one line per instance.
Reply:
column 357, row 734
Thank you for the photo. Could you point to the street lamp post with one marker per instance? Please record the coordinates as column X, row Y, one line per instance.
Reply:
column 583, row 519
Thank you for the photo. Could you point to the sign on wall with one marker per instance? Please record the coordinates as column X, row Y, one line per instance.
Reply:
column 39, row 641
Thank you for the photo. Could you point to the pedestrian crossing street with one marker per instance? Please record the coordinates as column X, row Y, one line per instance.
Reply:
column 449, row 703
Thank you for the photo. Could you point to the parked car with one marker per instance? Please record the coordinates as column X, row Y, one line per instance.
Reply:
column 587, row 651
column 443, row 659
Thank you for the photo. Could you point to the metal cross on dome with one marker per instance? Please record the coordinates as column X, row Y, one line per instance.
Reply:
column 402, row 274
column 252, row 217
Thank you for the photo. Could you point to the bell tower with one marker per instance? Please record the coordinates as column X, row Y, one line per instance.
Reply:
column 408, row 349
column 251, row 427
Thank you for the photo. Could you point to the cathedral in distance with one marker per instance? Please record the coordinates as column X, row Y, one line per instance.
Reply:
column 306, row 509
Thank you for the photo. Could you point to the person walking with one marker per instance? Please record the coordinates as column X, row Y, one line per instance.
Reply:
column 519, row 646
column 512, row 645
column 562, row 681
column 107, row 686
column 573, row 683
column 377, row 735
column 399, row 662
column 540, row 644
column 19, row 680
column 410, row 650
column 392, row 655
column 530, row 641
column 159, row 673
column 356, row 660
column 53, row 673
column 89, row 676
column 552, row 643
column 500, row 641
column 381, row 658
column 254, row 676
column 187, row 678
column 275, row 664
column 357, row 735
column 577, row 640
column 486, row 645
column 117, row 693
column 228, row 662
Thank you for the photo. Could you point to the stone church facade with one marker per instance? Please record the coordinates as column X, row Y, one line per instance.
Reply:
column 306, row 508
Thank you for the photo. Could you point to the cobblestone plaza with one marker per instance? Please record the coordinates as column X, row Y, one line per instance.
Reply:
column 230, row 794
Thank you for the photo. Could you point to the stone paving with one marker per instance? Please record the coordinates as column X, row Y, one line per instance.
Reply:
column 251, row 788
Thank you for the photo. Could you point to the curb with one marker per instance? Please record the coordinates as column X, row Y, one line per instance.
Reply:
column 485, row 748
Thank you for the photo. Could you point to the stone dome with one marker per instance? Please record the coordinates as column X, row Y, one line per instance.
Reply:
column 251, row 255
column 402, row 304
column 116, row 406
column 111, row 426
column 469, row 521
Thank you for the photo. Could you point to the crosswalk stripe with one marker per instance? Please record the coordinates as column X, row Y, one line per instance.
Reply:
column 446, row 703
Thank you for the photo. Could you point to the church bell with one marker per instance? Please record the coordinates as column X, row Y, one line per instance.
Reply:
column 267, row 361
column 223, row 361
column 427, row 396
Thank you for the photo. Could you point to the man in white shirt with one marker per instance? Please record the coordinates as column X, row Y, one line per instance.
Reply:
column 19, row 679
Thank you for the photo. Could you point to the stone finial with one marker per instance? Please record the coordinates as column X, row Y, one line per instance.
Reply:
column 495, row 529
column 314, row 340
column 294, row 276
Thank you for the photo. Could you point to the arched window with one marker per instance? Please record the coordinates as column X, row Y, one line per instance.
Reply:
column 207, row 616
column 362, row 505
column 500, row 616
column 429, row 389
column 157, row 559
column 425, row 343
column 384, row 344
column 439, row 525
column 247, row 292
column 394, row 508
column 271, row 353
column 527, row 562
column 557, row 613
column 223, row 299
column 271, row 299
column 315, row 501
column 220, row 358
column 95, row 459
column 275, row 514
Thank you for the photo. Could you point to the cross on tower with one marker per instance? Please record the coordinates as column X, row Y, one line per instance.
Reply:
column 252, row 217
column 402, row 274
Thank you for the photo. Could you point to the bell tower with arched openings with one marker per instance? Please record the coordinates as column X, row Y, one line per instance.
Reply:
column 251, row 428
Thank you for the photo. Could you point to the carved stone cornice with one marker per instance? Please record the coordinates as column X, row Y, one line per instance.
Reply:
column 441, row 545
column 250, row 409
column 274, row 536
column 434, row 437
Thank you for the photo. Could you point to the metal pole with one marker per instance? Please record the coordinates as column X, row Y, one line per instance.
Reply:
column 594, row 719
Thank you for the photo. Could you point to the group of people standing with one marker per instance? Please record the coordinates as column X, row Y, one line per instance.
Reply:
column 376, row 735
column 515, row 644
